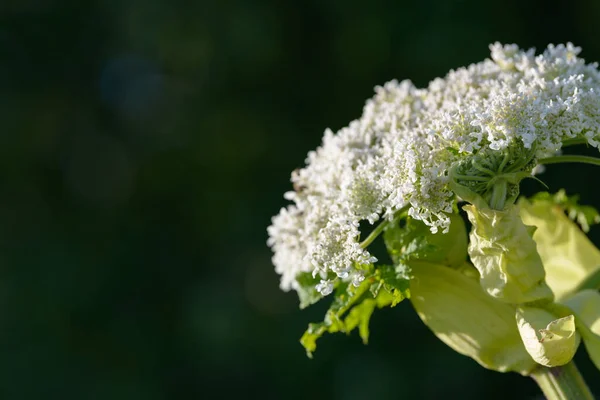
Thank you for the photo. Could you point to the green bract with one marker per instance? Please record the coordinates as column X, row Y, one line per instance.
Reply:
column 490, row 179
column 504, row 253
column 550, row 341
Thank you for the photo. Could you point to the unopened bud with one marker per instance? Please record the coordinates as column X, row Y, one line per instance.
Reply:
column 549, row 341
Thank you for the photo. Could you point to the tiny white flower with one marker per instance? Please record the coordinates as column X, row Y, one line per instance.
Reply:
column 325, row 287
column 399, row 152
column 358, row 278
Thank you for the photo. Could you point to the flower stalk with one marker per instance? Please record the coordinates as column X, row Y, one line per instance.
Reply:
column 562, row 383
column 570, row 159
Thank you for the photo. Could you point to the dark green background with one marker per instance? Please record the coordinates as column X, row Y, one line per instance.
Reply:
column 144, row 146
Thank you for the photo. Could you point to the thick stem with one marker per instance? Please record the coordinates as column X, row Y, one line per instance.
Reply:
column 562, row 383
column 570, row 159
column 498, row 195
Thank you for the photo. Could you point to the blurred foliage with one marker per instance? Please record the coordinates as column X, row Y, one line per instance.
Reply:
column 144, row 146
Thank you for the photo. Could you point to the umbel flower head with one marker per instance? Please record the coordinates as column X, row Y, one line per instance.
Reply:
column 418, row 149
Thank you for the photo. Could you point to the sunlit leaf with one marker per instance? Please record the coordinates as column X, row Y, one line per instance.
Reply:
column 582, row 214
column 352, row 307
column 586, row 306
column 461, row 314
column 306, row 292
column 414, row 240
column 569, row 257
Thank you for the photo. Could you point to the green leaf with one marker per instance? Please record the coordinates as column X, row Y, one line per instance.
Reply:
column 461, row 314
column 570, row 259
column 306, row 292
column 395, row 280
column 583, row 215
column 414, row 241
column 408, row 241
column 586, row 306
column 345, row 297
column 359, row 316
column 352, row 307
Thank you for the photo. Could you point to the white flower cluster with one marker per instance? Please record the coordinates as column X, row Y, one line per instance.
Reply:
column 399, row 152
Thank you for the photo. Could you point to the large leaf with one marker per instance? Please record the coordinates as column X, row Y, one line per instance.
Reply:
column 582, row 214
column 569, row 257
column 461, row 314
column 586, row 307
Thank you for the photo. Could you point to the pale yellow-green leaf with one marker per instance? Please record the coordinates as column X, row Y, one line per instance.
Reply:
column 455, row 307
column 569, row 257
column 550, row 341
column 502, row 250
column 586, row 306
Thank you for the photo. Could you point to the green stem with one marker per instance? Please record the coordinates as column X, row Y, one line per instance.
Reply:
column 483, row 169
column 373, row 235
column 574, row 141
column 381, row 227
column 498, row 195
column 570, row 159
column 562, row 383
column 471, row 178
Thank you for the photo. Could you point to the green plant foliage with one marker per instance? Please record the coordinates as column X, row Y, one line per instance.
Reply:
column 384, row 285
column 586, row 306
column 462, row 315
column 306, row 291
column 582, row 214
column 414, row 241
column 570, row 259
column 394, row 281
column 352, row 306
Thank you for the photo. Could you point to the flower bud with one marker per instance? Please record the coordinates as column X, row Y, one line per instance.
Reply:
column 549, row 341
column 457, row 310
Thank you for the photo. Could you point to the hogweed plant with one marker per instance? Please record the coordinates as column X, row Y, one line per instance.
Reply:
column 519, row 292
